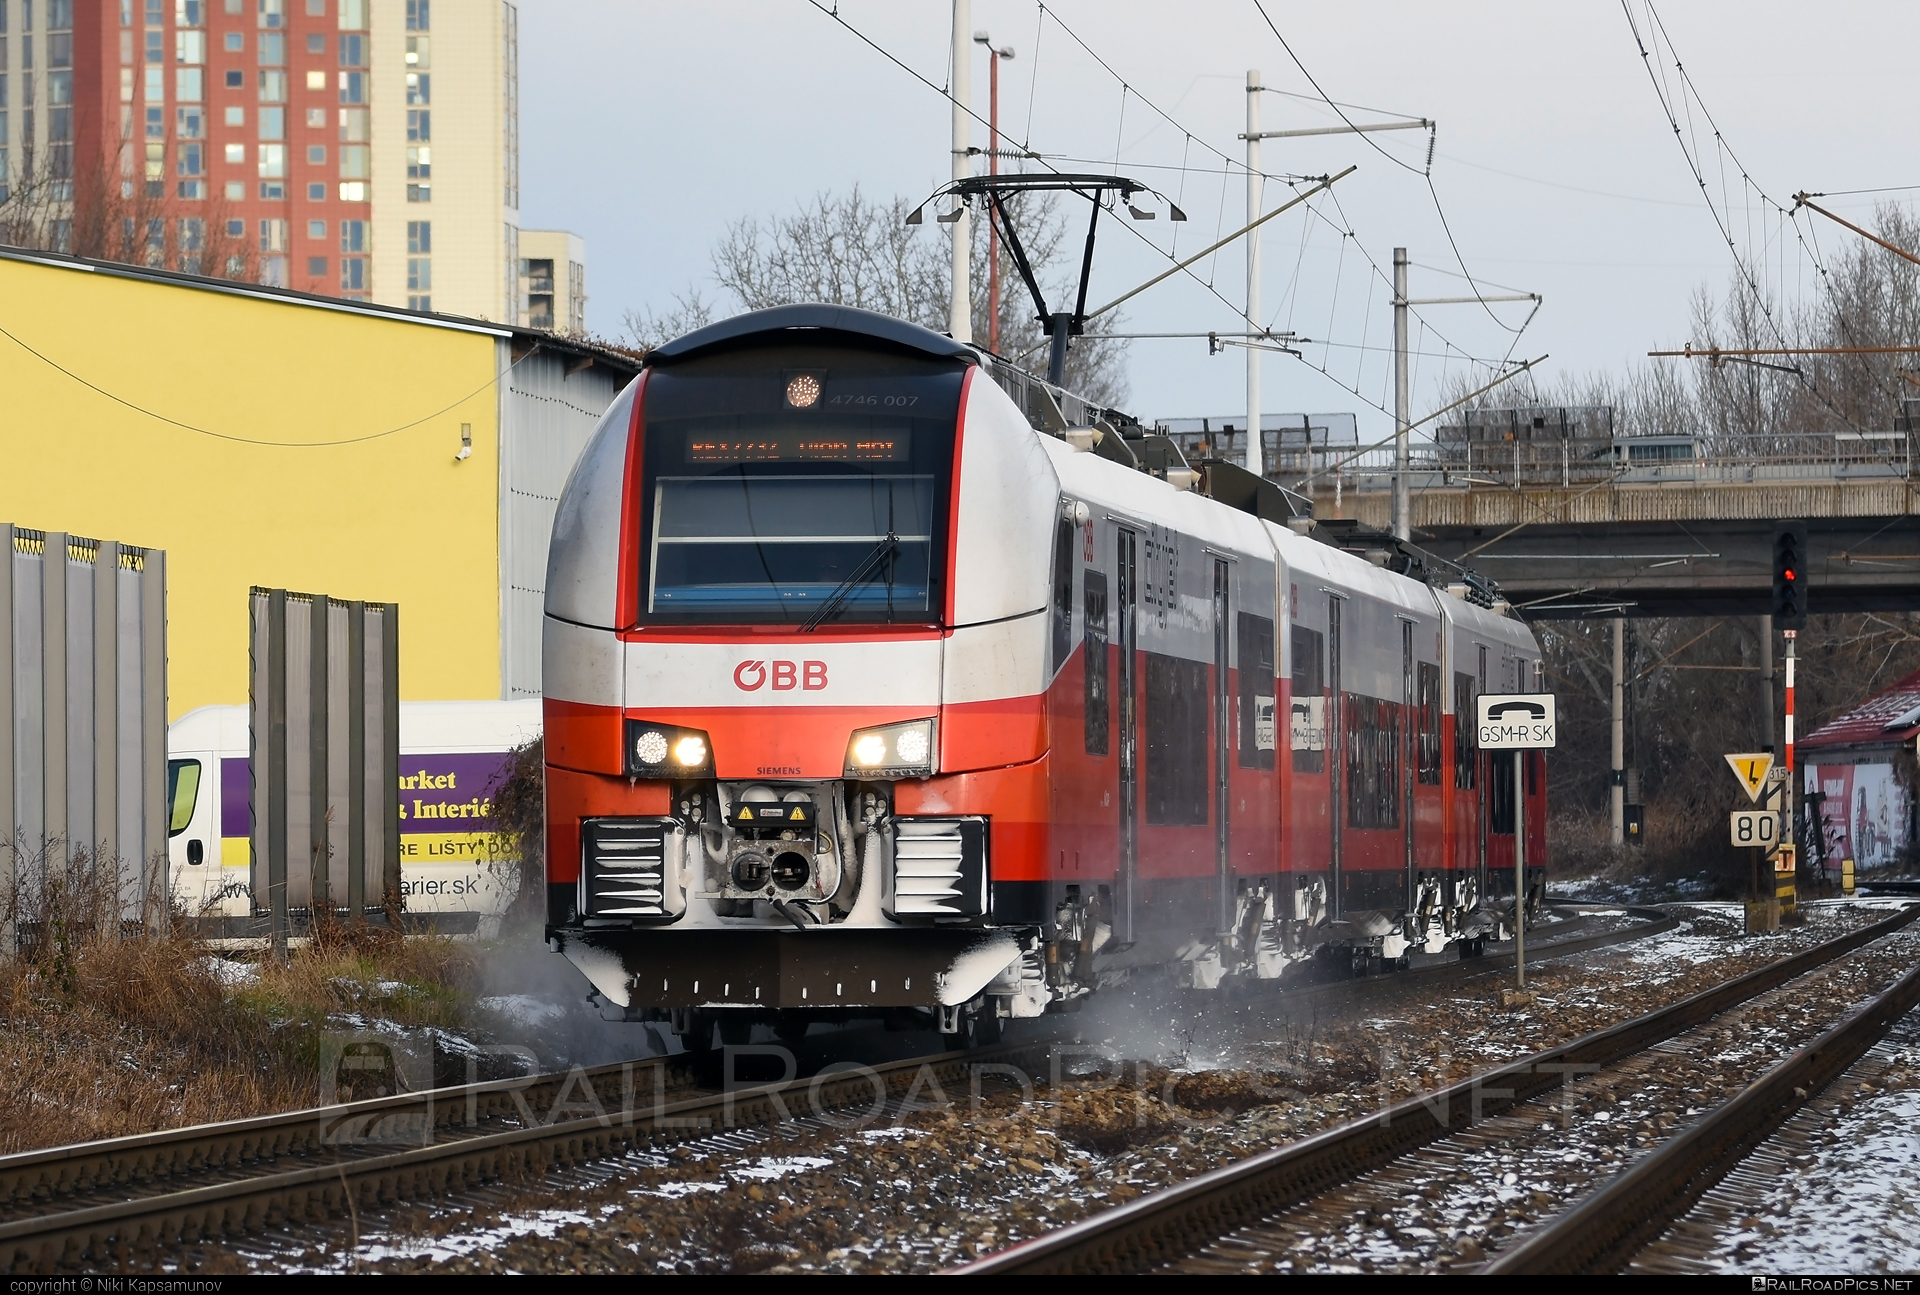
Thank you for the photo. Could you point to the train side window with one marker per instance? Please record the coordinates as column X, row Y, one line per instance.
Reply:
column 1256, row 692
column 1500, row 794
column 1307, row 725
column 1373, row 762
column 1063, row 536
column 1094, row 640
column 183, row 789
column 1177, row 706
column 1465, row 757
column 1428, row 694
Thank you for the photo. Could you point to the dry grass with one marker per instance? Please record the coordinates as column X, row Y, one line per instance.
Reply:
column 105, row 1033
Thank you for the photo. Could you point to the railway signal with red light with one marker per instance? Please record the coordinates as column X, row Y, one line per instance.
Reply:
column 1790, row 577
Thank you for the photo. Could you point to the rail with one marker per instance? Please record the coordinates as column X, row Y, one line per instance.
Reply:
column 1178, row 1220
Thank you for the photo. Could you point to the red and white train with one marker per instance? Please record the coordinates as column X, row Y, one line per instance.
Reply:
column 872, row 687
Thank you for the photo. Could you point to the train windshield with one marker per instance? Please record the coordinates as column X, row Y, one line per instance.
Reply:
column 809, row 490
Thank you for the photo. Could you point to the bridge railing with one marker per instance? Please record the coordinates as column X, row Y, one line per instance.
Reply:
column 1575, row 462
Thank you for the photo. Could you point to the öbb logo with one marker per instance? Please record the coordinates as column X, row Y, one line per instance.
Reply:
column 751, row 676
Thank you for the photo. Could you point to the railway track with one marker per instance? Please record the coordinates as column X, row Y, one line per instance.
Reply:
column 183, row 1186
column 1215, row 1221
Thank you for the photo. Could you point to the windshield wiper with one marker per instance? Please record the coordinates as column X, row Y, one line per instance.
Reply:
column 881, row 552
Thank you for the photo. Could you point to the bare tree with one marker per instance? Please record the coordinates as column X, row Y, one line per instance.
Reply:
column 849, row 250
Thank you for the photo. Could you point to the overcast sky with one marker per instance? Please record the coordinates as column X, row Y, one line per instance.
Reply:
column 649, row 127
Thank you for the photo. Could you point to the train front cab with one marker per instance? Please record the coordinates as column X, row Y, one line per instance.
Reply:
column 796, row 641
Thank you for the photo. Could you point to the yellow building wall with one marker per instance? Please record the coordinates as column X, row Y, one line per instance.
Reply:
column 390, row 519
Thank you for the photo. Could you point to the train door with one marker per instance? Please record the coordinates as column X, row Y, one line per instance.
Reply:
column 1336, row 761
column 1480, row 767
column 192, row 804
column 1128, row 633
column 1409, row 757
column 1222, row 748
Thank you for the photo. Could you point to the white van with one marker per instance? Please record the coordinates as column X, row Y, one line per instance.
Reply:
column 453, row 758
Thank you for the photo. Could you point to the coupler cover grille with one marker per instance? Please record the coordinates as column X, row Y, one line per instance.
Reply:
column 624, row 868
column 939, row 867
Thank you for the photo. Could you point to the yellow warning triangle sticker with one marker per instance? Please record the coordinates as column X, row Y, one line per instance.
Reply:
column 1750, row 767
column 799, row 815
column 746, row 813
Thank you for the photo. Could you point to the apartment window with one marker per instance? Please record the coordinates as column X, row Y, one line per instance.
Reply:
column 317, row 154
column 154, row 87
column 353, row 87
column 316, row 43
column 236, row 229
column 234, row 42
column 273, row 49
column 273, row 85
column 273, row 190
column 419, row 162
column 189, row 13
column 316, row 229
column 187, row 82
column 273, row 235
column 155, row 46
column 419, row 125
column 190, row 122
column 273, row 123
column 273, row 271
column 419, row 238
column 193, row 233
column 353, row 274
column 156, row 162
column 317, row 118
column 316, row 8
column 353, row 50
column 419, row 274
column 189, row 47
column 126, row 85
column 419, row 89
column 419, row 192
column 353, row 126
column 189, row 160
column 353, row 191
column 236, row 190
column 236, row 154
column 317, row 80
column 317, row 191
column 353, row 15
column 236, row 116
column 273, row 161
column 417, row 15
column 419, row 52
column 236, row 79
column 353, row 235
column 316, row 267
column 273, row 13
column 356, row 161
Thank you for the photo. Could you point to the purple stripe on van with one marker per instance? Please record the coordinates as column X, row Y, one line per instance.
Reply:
column 438, row 793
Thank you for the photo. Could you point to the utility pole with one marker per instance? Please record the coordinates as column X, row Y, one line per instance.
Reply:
column 1766, row 683
column 1402, row 414
column 1255, row 449
column 993, row 168
column 1617, row 793
column 960, row 310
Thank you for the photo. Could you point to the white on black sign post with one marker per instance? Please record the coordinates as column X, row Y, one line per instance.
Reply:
column 1517, row 722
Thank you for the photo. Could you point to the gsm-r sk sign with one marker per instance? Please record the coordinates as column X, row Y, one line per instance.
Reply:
column 1521, row 721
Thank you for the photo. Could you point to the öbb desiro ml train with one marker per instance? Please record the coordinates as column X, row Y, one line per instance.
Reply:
column 876, row 683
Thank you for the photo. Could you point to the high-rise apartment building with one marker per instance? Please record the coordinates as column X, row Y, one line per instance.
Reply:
column 367, row 149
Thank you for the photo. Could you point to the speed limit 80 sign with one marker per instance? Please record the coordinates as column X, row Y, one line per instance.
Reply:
column 1756, row 827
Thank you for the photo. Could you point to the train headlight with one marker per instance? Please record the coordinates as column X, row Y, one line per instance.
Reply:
column 892, row 751
column 663, row 751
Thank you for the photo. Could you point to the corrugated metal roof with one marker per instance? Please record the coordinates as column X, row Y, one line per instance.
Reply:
column 1866, row 724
